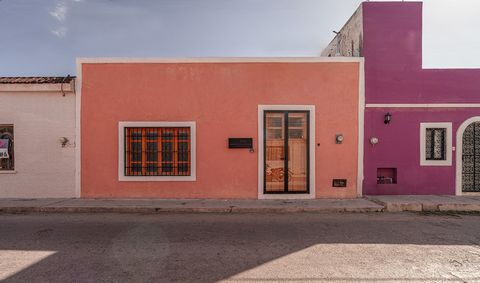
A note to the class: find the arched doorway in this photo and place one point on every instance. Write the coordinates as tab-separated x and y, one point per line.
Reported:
468	157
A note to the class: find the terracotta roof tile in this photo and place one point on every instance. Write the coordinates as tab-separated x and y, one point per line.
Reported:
36	80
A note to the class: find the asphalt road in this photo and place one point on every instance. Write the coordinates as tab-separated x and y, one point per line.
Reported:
377	247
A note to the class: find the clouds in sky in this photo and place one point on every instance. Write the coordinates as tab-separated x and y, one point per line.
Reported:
44	37
60	12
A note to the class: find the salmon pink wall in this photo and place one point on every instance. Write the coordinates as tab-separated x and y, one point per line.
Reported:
223	99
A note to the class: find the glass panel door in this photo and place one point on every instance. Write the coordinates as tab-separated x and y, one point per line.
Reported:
286	151
274	152
297	152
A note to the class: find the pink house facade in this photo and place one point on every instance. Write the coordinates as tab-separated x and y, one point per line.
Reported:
246	128
422	126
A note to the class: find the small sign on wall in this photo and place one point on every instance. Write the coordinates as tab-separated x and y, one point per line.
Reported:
240	142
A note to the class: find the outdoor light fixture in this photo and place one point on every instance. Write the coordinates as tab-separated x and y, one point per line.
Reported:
373	140
64	141
338	138
387	118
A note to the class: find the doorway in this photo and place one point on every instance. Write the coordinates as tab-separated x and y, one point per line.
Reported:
286	151
471	158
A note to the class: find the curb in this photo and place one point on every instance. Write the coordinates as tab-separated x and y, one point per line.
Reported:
373	205
416	206
157	210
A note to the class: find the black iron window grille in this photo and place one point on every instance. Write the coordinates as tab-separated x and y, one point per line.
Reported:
157	151
436	144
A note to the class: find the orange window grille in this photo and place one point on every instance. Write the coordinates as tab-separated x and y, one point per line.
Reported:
158	151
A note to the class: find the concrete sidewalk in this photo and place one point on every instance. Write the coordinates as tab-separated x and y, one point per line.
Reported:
186	205
368	204
427	203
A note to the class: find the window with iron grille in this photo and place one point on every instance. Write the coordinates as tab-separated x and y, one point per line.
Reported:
435	143
7	157
157	151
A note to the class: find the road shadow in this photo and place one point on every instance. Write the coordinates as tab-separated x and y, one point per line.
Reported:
213	247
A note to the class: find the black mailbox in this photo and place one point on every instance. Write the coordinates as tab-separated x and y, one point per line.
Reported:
240	143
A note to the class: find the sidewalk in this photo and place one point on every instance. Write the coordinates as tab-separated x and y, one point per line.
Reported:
368	204
427	203
186	205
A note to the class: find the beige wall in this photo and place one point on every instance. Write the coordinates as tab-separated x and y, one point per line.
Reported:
43	168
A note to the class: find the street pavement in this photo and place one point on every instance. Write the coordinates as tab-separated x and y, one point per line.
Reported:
240	247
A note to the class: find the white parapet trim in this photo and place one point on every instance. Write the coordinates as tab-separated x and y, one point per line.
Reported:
34	87
120	60
423	105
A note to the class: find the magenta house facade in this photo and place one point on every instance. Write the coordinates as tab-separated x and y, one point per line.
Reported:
422	126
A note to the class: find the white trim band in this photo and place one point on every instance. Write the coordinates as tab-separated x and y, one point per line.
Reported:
424	105
221	60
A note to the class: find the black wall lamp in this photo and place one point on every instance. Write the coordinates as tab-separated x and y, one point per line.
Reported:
387	118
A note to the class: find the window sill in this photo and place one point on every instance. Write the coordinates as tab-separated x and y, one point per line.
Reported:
8	171
436	163
123	178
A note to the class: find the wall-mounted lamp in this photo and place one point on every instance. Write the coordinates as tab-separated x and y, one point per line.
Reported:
387	118
64	141
373	140
338	138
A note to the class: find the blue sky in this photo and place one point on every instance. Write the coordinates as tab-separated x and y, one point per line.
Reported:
43	37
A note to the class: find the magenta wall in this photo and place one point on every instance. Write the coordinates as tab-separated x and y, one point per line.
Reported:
399	147
394	74
393	60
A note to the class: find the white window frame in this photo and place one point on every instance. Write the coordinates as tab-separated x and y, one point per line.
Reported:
448	149
121	151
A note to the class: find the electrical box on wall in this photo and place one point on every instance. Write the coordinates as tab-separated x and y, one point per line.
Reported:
240	143
339	183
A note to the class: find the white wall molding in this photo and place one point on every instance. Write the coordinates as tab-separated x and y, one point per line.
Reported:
38	88
424	105
361	128
121	60
78	130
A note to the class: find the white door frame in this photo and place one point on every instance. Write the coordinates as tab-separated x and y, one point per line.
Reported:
459	150
311	173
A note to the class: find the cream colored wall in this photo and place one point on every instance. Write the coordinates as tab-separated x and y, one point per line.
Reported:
43	168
